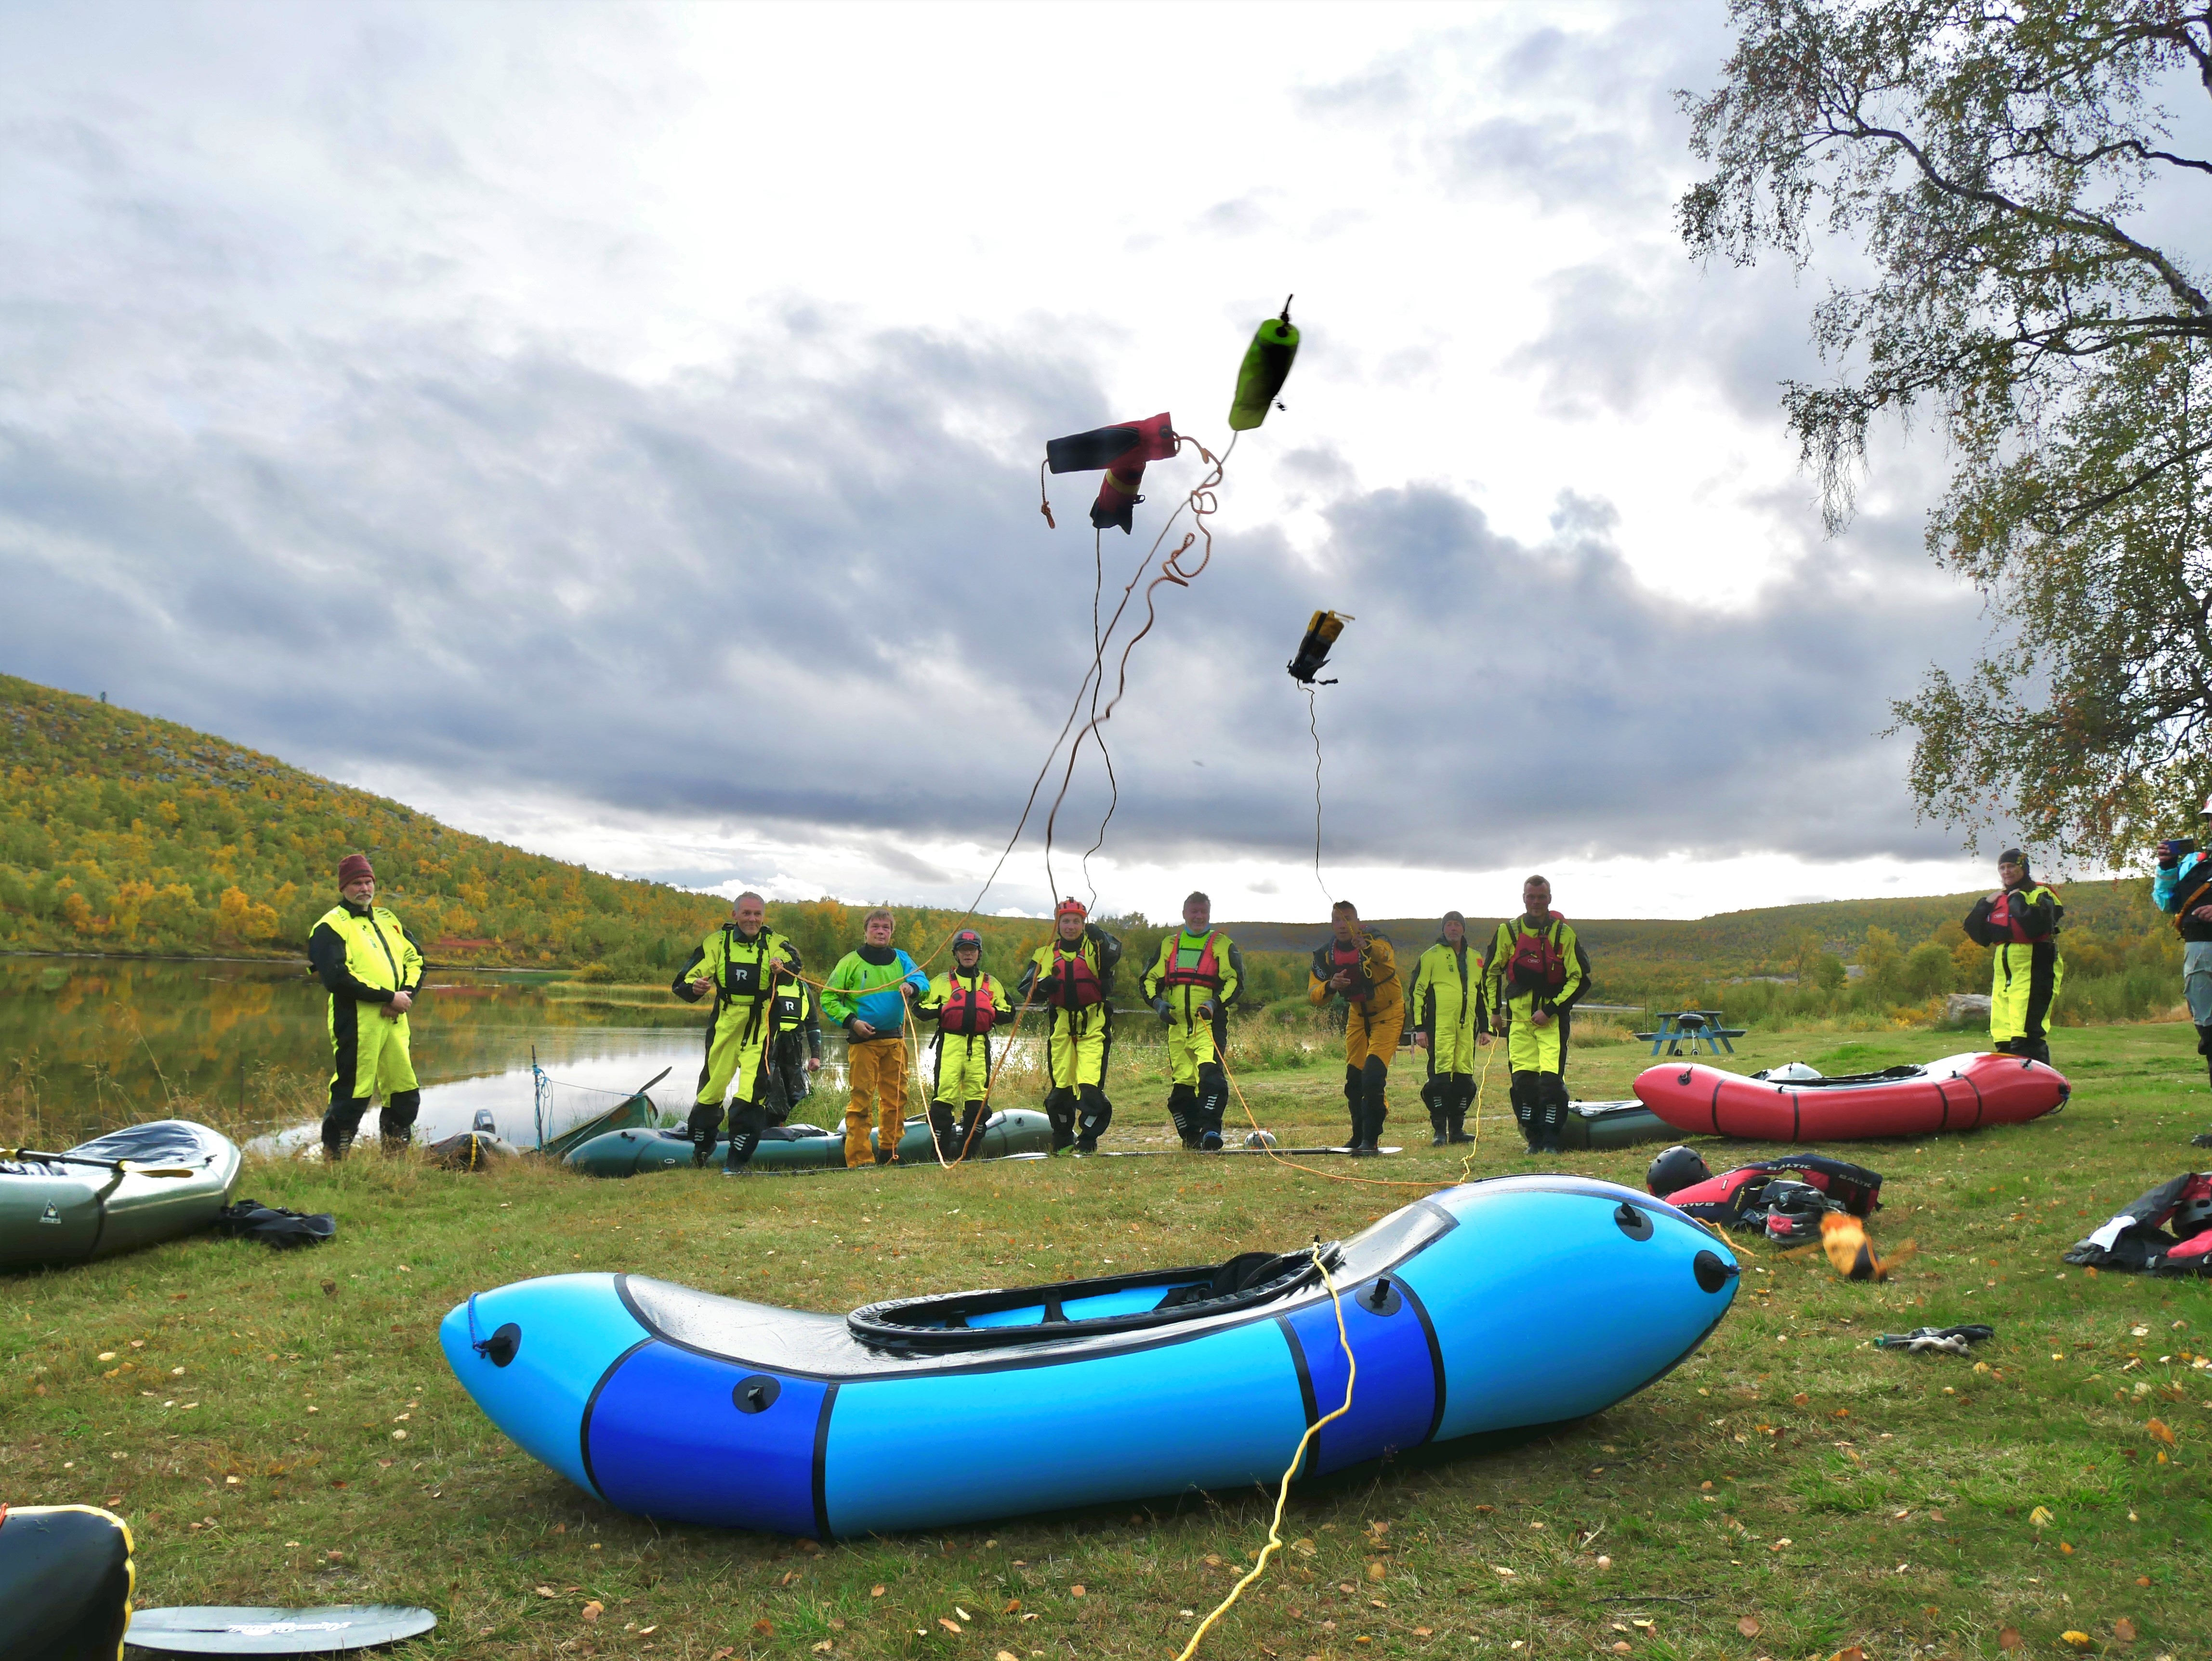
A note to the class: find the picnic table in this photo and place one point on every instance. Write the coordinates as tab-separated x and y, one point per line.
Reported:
1680	1026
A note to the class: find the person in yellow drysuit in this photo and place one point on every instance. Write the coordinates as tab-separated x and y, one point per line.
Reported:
368	962
967	1004
746	965
2020	920
867	994
1072	976
1536	972
1191	988
1450	1020
1359	966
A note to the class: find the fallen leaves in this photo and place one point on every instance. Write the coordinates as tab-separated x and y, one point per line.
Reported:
950	1625
1854	1653
2040	1517
1377	1572
2160	1433
2008	1638
2075	1640
1077	1591
593	1610
764	1627
824	1647
1748	1626
2124	1630
875	1592
1783	1544
542	1591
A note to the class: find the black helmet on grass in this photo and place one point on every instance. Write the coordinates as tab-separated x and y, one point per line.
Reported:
1676	1169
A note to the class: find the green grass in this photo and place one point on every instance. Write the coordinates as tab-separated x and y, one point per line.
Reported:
272	1469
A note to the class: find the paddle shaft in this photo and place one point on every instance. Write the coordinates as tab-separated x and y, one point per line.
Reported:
29	1156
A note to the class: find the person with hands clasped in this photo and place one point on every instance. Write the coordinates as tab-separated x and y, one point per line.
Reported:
1190	988
1536	972
746	965
368	962
2020	920
967	1004
867	994
1450	1022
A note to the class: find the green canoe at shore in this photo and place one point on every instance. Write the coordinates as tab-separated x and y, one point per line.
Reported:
116	1193
801	1147
636	1113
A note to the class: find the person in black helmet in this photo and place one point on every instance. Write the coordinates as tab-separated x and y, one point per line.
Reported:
967	1003
2020	920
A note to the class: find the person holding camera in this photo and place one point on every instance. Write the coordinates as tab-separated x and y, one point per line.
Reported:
2183	890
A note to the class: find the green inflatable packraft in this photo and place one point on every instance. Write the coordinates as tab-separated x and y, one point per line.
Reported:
800	1146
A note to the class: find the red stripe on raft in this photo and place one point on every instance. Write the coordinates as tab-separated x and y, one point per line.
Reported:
2007	1090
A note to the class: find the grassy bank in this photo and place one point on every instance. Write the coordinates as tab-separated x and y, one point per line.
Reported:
282	1429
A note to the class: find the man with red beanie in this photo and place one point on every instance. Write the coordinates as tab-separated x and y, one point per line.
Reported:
369	963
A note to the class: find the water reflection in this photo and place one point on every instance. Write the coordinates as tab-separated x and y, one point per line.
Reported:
90	1044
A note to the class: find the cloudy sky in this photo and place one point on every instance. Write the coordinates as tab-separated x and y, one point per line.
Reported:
617	429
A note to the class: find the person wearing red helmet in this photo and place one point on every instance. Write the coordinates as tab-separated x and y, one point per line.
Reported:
1072	977
968	1004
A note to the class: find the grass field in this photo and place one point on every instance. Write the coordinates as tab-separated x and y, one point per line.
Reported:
282	1429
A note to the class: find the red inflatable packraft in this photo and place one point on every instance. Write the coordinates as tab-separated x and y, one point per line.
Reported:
1959	1092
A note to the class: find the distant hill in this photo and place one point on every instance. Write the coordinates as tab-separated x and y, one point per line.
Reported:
123	833
1767	941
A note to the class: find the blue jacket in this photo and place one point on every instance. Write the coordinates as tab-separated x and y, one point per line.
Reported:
859	990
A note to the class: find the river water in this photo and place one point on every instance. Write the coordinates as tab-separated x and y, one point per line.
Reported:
90	1044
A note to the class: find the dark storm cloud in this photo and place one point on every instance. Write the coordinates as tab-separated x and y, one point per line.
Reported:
806	601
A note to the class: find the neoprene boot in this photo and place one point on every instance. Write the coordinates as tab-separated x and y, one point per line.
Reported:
1183	1103
341	1124
705	1121
1097	1113
1433	1094
970	1139
396	1124
1524	1109
1212	1102
1462	1100
1059	1108
1553	1098
1374	1079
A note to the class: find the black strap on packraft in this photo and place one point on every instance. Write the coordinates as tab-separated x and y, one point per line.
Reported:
274	1226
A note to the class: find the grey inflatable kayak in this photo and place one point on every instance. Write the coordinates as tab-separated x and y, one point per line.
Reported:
116	1193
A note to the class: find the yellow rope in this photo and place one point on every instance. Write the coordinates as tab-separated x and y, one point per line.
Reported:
1282	1493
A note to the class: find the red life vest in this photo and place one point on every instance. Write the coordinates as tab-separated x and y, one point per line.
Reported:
1536	964
967	1010
1073	984
2009	916
1206	972
1353	957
